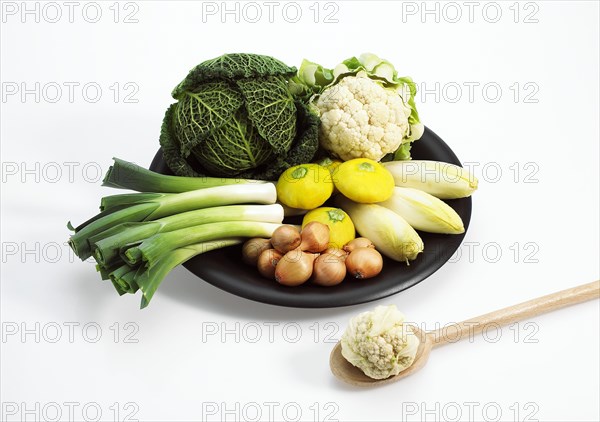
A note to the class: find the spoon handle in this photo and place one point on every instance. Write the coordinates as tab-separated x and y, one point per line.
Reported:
531	308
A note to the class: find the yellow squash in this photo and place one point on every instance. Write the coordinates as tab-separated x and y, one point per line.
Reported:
341	227
306	186
364	181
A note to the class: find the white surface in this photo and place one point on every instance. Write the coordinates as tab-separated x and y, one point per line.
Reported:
176	371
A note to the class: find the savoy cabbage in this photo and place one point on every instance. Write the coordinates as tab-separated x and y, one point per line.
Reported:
235	116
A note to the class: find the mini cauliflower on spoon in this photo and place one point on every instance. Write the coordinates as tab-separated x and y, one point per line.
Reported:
379	342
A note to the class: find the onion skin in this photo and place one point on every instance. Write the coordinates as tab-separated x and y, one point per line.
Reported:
286	238
364	263
315	237
340	253
359	242
267	262
295	268
329	270
253	248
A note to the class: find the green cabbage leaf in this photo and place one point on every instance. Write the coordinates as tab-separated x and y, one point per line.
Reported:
237	116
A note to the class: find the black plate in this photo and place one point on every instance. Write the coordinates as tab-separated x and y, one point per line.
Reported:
224	268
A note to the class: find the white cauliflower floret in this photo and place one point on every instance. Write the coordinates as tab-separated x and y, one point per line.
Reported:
362	119
379	342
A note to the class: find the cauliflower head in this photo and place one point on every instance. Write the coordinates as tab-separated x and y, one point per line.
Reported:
379	342
367	109
362	119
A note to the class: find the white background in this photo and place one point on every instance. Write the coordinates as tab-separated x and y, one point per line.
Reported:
546	230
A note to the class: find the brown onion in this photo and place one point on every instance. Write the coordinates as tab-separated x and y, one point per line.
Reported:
315	237
359	242
364	263
328	270
340	253
285	238
267	261
295	268
253	248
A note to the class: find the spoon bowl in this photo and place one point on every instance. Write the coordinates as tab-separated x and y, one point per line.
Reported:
345	371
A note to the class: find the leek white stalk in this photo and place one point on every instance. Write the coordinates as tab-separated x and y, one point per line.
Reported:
390	233
150	206
424	212
293	212
108	244
151	249
442	180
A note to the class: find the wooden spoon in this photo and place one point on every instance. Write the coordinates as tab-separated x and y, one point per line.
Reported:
346	372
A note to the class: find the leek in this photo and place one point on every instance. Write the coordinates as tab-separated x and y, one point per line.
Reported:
108	244
123	277
153	206
125	175
137	238
149	280
151	249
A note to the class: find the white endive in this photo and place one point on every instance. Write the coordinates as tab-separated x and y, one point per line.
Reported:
389	232
442	180
424	212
